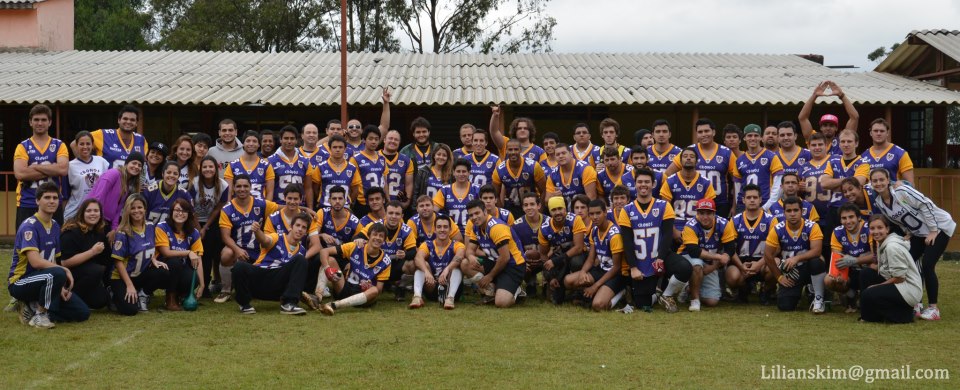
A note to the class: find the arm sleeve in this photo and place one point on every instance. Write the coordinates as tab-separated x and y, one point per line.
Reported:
730	248
666	239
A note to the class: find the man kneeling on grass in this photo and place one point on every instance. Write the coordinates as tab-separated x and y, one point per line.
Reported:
601	277
494	261
279	272
367	270
438	266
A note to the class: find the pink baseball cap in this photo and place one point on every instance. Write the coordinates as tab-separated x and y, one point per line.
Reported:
706	204
829	118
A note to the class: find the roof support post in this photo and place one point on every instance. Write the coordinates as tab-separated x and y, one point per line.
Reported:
343	62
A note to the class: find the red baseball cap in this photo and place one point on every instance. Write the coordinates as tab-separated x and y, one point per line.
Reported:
706	204
830	118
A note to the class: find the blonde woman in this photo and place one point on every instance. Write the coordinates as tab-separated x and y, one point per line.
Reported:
136	273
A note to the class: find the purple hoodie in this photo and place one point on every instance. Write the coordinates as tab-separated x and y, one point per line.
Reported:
107	191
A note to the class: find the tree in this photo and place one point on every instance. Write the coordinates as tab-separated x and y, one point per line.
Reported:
241	25
369	26
111	25
881	52
487	26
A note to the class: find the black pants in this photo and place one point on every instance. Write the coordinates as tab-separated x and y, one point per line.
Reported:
212	246
673	265
88	284
181	275
723	209
882	303
284	283
789	297
149	280
313	272
927	257
44	286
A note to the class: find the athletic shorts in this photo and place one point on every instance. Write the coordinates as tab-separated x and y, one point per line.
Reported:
349	289
710	285
616	283
509	278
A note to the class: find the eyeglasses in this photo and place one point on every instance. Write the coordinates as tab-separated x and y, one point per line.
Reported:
179	211
353	127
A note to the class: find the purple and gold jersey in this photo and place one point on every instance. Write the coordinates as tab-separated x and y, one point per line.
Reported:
791	243
517	183
807	211
343	232
528	231
608	180
710	240
895	160
360	270
398	169
759	169
752	237
533	152
260	173
716	168
586	155
371	172
660	162
135	250
34	235
159	203
398	241
796	164
239	220
277	222
645	224
606	244
560	237
493	235
287	172
329	174
35	154
438	258
814	192
281	253
166	237
683	196
851	244
107	144
426	232
481	171
455	204
573	183
838	168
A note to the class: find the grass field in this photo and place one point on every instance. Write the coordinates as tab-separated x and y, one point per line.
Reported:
535	345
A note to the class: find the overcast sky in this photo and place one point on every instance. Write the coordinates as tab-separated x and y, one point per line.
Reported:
843	31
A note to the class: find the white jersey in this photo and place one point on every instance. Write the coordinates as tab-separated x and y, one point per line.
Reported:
81	176
915	213
205	199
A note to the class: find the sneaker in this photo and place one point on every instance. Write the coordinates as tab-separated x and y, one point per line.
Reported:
143	301
12	306
669	304
448	303
918	310
416	302
222	297
312	301
817	307
626	309
931	314
327	309
694	305
27	310
292	308
326	292
42	321
247	310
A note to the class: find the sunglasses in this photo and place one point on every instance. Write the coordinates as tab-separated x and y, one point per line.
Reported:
353	127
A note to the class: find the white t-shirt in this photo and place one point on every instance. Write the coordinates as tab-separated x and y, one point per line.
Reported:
81	176
915	213
205	199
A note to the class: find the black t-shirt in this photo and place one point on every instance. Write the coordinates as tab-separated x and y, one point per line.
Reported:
73	242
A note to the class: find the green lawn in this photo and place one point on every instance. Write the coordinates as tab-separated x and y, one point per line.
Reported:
531	346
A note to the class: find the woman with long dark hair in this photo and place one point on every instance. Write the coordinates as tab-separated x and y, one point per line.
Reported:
160	197
209	193
84	249
183	155
890	292
428	180
84	171
114	186
179	245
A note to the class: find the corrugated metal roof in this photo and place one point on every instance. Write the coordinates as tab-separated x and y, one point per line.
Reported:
18	4
313	79
898	61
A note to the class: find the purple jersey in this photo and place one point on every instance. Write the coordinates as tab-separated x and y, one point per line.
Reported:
660	162
796	164
134	250
343	232
481	171
287	172
851	245
107	144
33	235
259	174
810	177
159	203
329	175
281	253
752	237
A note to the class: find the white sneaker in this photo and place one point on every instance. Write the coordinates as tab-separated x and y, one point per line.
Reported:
326	292
931	314
817	307
918	310
694	305
143	301
41	320
626	309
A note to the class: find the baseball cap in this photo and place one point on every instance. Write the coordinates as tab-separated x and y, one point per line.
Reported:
160	147
556	202
829	118
752	128
134	156
706	204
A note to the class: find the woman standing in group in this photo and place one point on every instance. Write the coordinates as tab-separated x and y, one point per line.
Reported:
182	154
84	249
428	180
178	241
136	271
83	172
114	186
890	292
928	226
160	197
209	193
156	156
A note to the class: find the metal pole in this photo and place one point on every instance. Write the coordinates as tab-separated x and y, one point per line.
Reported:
343	62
